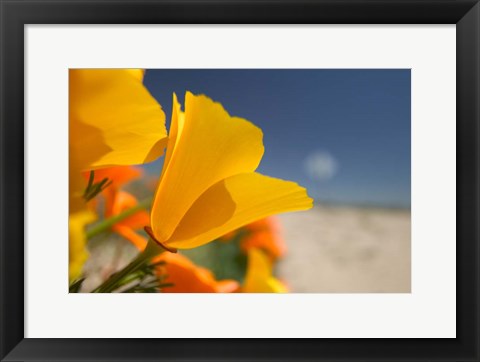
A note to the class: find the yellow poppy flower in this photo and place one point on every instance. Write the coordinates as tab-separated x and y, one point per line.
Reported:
113	121
208	185
259	278
187	277
77	251
113	118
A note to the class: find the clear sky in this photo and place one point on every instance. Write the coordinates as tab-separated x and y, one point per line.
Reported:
342	134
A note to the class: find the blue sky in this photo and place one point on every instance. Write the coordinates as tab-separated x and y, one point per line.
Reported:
343	134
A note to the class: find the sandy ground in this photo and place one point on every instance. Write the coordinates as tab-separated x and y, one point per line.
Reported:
330	250
347	250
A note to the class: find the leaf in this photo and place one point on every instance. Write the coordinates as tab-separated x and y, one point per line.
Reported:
76	285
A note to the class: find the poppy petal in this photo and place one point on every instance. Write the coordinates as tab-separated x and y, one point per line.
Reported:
187	277
211	146
77	246
259	278
128	233
235	202
113	118
123	201
176	128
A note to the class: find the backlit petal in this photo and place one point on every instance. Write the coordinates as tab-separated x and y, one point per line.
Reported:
113	118
235	202
175	131
137	73
211	147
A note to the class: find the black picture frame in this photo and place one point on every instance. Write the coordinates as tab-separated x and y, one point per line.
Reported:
15	14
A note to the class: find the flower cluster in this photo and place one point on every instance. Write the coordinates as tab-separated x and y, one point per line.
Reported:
208	196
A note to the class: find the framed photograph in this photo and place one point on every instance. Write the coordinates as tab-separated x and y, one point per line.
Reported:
240	180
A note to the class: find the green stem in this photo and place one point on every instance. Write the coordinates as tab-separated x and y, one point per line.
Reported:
106	224
152	249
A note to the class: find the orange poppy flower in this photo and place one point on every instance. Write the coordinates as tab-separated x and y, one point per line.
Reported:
126	228
118	175
265	234
187	277
118	201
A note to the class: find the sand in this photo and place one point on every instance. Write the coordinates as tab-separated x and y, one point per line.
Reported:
347	250
330	250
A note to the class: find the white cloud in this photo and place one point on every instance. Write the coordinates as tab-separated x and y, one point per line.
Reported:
320	165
